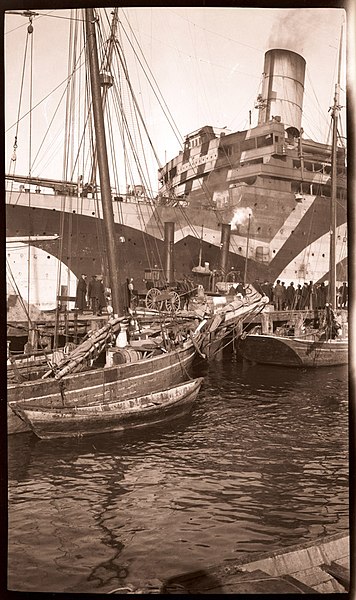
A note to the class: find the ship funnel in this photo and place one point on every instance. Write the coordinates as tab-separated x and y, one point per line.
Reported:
282	89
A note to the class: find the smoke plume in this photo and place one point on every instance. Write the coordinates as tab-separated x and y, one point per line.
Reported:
240	217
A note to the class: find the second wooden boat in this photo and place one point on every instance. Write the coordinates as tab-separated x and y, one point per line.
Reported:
293	351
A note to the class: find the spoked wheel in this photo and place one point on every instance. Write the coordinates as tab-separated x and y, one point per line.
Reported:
152	299
173	302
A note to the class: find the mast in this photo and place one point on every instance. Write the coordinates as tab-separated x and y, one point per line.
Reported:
333	200
103	165
106	83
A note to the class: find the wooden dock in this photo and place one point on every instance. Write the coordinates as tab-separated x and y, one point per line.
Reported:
45	325
315	567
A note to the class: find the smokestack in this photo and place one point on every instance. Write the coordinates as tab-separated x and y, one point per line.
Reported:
169	251
283	89
225	243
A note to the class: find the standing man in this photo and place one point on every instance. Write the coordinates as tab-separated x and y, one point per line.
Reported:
284	291
278	293
298	297
344	295
101	291
322	295
304	300
290	293
80	298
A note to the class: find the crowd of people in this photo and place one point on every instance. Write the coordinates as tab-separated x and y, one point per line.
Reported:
301	297
90	295
310	295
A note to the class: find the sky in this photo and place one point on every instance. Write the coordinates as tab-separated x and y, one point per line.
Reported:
206	62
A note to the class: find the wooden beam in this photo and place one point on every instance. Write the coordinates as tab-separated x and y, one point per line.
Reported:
338	572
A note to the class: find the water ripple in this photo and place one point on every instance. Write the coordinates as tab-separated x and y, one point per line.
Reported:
260	463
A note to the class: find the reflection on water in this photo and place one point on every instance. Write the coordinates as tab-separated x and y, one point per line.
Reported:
260	463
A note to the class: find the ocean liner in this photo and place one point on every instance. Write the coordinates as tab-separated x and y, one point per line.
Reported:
265	192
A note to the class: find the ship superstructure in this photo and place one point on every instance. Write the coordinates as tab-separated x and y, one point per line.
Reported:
270	173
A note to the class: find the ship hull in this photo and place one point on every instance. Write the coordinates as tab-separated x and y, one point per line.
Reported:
78	244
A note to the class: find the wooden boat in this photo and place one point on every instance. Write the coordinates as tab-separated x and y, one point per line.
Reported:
320	566
119	415
129	371
293	351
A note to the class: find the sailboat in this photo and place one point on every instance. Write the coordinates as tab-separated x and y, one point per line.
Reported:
105	368
326	345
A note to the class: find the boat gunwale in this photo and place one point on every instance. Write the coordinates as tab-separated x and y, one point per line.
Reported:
192	386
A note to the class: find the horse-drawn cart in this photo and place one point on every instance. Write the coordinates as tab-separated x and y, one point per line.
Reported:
165	296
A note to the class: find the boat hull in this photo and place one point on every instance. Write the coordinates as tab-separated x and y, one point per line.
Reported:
16	424
292	351
101	386
116	416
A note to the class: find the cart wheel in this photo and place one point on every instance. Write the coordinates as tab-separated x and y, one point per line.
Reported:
173	303
152	299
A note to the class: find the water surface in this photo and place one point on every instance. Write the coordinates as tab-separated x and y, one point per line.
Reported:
260	463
